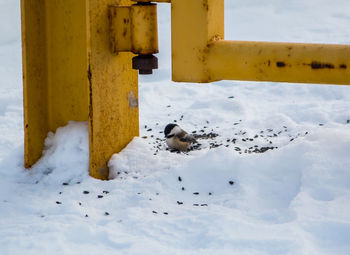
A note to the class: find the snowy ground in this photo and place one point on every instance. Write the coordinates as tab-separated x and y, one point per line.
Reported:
271	177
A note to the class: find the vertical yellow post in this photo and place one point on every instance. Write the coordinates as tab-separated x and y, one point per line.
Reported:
113	92
70	74
194	24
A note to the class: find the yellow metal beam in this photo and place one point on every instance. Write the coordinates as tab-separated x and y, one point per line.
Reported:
113	92
280	62
194	24
200	53
69	73
157	1
34	79
54	69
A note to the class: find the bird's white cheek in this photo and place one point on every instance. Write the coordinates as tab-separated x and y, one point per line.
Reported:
170	142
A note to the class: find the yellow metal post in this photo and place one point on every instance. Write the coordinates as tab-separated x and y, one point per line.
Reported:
113	92
194	24
69	73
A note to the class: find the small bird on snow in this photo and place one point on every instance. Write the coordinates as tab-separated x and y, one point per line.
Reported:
177	138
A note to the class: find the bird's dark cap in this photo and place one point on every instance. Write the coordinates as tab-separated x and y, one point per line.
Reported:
168	128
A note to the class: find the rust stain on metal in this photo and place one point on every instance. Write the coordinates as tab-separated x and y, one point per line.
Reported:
205	5
280	64
320	65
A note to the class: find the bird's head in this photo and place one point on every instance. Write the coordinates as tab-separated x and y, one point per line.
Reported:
171	130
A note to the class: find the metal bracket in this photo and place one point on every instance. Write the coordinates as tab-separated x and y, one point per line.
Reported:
134	29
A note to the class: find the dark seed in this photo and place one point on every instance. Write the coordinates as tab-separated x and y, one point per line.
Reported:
231	182
86	192
86	215
180	179
195	193
210	193
79	203
106	213
165	213
195	204
204	204
183	188
100	196
154	212
65	183
179	203
105	191
58	202
150	129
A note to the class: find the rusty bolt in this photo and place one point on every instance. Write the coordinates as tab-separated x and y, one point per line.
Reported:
145	63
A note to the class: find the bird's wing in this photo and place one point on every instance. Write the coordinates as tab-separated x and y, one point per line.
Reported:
185	137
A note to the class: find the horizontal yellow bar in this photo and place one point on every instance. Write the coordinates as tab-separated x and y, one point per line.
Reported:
155	1
279	62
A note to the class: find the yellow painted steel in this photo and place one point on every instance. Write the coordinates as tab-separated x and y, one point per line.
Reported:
200	53
70	74
34	79
157	1
282	62
144	29
134	28
120	28
113	90
194	24
54	69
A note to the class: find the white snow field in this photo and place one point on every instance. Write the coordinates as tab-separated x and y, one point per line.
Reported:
271	174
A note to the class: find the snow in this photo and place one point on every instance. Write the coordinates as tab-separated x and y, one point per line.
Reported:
271	175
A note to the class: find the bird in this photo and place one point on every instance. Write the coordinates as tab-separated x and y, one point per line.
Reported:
177	138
